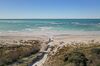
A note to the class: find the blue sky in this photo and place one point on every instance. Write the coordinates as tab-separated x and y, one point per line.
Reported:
49	9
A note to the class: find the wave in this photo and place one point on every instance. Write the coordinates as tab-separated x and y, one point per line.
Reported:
9	21
77	23
45	28
12	31
55	23
28	29
37	29
27	25
98	23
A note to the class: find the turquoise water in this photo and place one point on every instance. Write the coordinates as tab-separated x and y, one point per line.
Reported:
49	24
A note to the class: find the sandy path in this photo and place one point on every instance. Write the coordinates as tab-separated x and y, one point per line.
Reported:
42	61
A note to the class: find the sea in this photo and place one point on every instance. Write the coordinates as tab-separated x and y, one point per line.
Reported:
32	25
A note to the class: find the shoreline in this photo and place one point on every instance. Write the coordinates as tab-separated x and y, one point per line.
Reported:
53	33
57	38
45	35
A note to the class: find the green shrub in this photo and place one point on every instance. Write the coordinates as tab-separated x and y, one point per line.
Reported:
77	58
96	50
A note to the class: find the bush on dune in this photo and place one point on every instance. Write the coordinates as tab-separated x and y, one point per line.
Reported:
76	54
11	53
77	58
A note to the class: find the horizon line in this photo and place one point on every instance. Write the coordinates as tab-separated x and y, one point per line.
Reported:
48	18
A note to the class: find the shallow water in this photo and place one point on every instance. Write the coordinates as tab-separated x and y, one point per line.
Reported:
14	25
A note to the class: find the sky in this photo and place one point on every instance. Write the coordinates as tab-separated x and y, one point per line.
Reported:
22	9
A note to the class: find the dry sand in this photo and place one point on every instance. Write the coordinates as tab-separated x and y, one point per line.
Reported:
56	38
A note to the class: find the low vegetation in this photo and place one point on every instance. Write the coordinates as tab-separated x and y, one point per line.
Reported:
76	54
22	51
